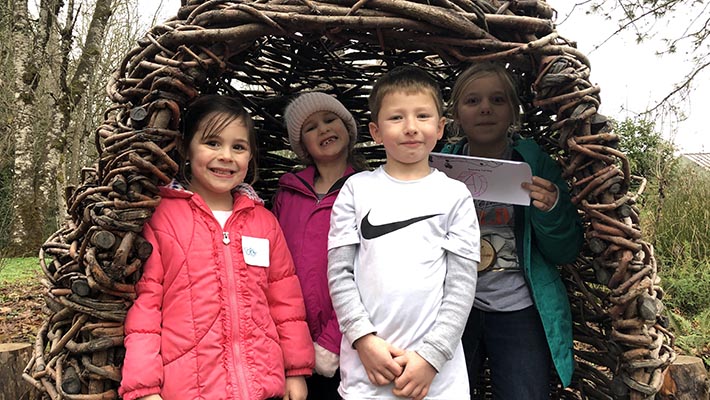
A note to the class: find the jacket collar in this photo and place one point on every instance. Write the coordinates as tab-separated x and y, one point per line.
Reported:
304	181
177	190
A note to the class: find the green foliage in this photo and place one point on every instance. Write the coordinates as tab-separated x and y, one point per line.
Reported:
649	154
687	281
15	270
681	236
681	218
675	218
693	333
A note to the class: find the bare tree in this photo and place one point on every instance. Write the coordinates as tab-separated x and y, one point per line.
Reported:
682	25
65	132
10	28
30	41
124	28
54	70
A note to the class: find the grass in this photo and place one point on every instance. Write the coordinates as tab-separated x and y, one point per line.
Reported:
676	220
692	334
17	270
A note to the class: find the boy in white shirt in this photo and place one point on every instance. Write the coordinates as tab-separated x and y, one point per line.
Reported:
403	251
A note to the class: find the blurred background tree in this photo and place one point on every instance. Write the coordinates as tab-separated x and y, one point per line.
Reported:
56	58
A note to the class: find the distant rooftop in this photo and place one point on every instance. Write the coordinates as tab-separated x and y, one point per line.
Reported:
701	159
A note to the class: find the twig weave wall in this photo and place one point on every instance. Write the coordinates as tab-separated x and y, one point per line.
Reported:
264	52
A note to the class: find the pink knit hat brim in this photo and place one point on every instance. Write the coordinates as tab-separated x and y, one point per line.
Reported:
304	106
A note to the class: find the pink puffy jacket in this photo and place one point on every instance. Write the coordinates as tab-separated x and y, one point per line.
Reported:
207	325
305	221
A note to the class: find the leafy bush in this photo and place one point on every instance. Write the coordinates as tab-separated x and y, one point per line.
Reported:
682	217
681	235
675	218
692	333
686	281
649	154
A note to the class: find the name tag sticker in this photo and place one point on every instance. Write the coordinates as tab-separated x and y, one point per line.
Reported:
255	251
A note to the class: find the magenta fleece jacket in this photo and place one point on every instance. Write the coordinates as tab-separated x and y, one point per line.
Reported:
305	221
219	313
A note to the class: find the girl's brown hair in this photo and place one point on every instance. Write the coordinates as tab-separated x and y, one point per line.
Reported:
213	112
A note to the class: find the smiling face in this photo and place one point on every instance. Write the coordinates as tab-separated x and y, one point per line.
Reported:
324	137
484	110
219	161
408	126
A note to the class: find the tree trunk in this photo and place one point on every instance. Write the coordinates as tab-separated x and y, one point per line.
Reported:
27	79
13	358
66	132
79	85
686	379
43	148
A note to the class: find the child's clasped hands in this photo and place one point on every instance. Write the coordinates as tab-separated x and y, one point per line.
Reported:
385	363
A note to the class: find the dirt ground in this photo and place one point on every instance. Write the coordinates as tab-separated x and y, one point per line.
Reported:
20	311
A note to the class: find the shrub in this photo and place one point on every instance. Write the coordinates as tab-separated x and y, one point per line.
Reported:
682	217
686	281
675	218
693	334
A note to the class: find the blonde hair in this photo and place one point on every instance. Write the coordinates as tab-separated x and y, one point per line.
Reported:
480	70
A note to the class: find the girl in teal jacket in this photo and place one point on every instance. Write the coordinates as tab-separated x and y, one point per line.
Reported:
521	320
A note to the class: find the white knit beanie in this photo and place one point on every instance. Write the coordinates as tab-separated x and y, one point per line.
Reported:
303	107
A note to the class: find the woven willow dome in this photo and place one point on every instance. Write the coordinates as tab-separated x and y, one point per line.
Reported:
265	52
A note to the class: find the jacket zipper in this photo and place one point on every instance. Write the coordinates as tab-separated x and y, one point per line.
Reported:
234	307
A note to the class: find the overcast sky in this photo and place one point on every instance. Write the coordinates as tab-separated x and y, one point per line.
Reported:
632	77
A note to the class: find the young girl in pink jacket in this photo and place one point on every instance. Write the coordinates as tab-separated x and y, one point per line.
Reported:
219	312
322	133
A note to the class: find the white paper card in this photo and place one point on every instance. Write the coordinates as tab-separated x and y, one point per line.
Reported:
256	251
487	178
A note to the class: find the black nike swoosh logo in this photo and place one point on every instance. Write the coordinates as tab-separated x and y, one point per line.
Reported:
370	231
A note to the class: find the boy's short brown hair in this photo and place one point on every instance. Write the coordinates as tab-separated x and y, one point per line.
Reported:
408	79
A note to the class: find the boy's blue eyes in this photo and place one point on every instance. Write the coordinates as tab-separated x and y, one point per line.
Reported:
398	117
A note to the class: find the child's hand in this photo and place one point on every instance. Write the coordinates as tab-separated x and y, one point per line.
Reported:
377	357
415	379
542	192
296	388
327	362
151	397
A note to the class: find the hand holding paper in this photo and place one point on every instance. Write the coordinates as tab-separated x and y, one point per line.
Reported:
543	193
488	179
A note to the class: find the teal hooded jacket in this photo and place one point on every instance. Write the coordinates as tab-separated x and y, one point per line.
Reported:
545	240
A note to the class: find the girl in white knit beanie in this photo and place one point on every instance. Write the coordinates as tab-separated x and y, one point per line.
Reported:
322	133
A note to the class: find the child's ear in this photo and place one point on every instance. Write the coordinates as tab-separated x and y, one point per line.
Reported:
442	124
375	132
